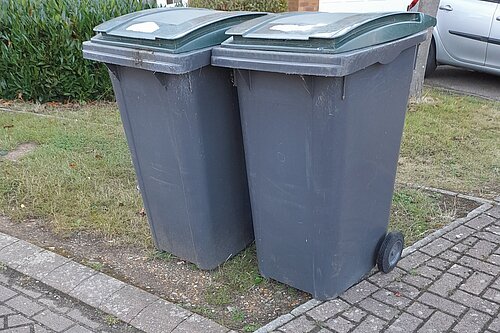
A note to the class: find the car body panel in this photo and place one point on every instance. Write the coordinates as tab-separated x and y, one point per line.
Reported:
462	34
463	31
493	49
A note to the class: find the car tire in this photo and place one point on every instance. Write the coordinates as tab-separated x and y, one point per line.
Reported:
431	65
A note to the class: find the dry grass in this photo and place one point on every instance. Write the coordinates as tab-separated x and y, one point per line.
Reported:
452	142
80	176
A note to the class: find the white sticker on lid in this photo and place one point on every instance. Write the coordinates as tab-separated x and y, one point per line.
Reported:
144	27
296	27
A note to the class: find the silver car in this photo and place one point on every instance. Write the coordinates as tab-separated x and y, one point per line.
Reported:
467	35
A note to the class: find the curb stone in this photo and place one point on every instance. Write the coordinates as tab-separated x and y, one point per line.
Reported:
460	92
146	311
50	116
281	320
454	194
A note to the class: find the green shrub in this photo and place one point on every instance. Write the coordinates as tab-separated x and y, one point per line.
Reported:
273	6
41	48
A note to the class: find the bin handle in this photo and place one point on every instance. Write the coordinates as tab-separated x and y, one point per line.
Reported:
162	78
390	56
245	75
114	70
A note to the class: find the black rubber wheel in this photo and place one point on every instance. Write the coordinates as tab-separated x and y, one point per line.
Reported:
431	65
390	251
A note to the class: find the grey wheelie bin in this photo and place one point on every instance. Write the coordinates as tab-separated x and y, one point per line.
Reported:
182	125
322	100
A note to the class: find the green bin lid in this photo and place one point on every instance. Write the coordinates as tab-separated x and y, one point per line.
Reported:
326	32
172	30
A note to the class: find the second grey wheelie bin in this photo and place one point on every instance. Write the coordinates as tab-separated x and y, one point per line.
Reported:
182	125
322	100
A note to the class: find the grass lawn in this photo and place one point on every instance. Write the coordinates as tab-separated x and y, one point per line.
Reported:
452	142
80	176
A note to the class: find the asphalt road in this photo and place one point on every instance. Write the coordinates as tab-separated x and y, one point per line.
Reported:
466	81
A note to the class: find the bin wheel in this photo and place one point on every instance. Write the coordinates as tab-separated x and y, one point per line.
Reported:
390	251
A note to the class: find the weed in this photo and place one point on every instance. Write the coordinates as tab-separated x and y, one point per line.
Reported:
238	315
95	265
250	327
192	266
292	291
218	295
235	277
258	279
111	320
205	311
162	255
415	213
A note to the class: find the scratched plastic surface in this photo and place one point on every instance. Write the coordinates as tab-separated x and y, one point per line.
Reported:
184	135
322	134
183	129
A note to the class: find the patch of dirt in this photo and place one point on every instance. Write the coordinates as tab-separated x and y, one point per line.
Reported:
20	151
174	279
424	100
455	206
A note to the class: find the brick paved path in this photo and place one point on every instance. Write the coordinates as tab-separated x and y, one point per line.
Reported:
28	306
451	284
100	292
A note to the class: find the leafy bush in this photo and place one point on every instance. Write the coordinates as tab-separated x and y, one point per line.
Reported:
273	6
41	48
